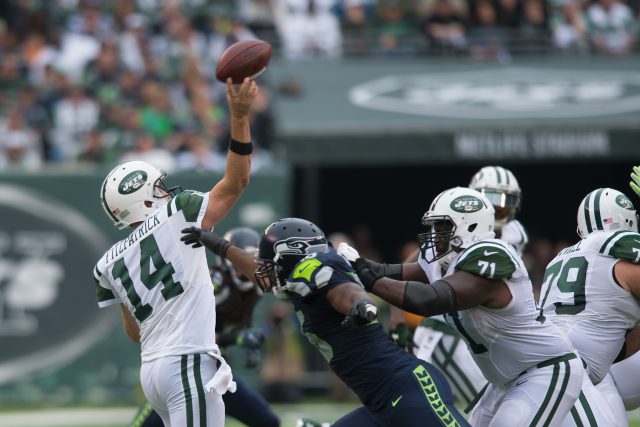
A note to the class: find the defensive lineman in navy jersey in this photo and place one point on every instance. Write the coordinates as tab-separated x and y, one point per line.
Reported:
339	318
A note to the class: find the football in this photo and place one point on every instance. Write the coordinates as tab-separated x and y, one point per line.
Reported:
248	58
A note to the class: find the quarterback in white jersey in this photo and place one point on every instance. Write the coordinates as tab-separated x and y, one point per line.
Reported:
585	290
163	287
534	374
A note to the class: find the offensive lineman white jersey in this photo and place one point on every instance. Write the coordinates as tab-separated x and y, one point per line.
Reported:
514	234
507	341
164	283
580	295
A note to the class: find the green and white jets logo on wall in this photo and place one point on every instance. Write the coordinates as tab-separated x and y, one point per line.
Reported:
132	182
504	93
624	202
466	204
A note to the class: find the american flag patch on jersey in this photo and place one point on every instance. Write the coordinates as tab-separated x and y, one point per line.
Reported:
608	221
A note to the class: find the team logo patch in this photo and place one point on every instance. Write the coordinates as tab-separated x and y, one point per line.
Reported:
622	201
466	204
132	182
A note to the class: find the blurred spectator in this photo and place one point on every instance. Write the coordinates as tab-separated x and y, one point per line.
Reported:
258	15
394	28
445	28
37	54
568	26
486	39
134	42
533	29
91	20
94	150
18	144
308	29
198	155
73	116
155	116
612	27
146	149
102	74
509	13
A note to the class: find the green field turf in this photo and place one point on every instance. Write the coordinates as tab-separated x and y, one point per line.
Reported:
120	417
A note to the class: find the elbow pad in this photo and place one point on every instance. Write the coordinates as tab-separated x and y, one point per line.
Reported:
429	300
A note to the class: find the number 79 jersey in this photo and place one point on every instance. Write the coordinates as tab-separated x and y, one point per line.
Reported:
580	295
164	283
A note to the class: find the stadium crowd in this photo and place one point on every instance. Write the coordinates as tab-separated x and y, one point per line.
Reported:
99	81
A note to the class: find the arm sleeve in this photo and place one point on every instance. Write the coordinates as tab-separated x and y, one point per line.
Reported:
429	300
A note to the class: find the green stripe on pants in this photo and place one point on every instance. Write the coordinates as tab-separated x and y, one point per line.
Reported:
563	389
202	403
547	398
576	417
433	397
187	389
587	410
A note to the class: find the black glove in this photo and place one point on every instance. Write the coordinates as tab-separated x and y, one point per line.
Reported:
361	313
403	337
368	272
196	237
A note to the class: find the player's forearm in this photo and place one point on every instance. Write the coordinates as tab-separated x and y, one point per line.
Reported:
243	261
417	298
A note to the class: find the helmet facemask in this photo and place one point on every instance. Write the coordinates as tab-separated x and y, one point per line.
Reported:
439	242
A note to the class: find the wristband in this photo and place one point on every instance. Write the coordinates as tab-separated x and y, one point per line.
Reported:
241	148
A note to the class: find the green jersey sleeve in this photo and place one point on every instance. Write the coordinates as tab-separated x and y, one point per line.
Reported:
105	295
190	203
488	260
622	245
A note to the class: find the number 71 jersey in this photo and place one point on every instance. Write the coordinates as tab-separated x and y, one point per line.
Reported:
581	296
164	283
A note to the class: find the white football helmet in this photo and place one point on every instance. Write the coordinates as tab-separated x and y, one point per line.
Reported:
457	218
501	187
132	191
243	238
606	209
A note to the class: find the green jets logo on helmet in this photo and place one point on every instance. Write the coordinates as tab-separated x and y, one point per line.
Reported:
622	201
466	204
132	182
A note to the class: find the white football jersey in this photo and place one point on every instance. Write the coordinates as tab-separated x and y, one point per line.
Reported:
514	234
506	341
164	283
580	295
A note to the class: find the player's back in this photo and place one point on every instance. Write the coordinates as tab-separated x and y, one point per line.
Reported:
509	340
580	295
164	283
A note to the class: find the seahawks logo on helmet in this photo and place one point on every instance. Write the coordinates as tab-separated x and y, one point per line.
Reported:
132	182
623	202
466	204
292	246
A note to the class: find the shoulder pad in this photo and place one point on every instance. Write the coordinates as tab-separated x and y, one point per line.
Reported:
189	202
319	270
622	245
490	260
